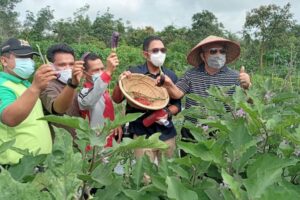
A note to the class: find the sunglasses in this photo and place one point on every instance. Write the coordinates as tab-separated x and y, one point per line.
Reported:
156	50
214	51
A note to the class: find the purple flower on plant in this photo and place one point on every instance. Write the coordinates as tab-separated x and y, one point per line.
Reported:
205	128
240	113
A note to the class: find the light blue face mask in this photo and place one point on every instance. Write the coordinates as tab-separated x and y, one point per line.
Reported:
24	67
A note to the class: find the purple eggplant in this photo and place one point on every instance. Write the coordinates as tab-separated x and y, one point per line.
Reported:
114	40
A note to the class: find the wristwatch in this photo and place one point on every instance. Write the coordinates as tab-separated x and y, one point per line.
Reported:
69	83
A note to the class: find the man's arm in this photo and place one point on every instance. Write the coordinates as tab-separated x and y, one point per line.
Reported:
117	95
62	102
88	97
18	111
173	90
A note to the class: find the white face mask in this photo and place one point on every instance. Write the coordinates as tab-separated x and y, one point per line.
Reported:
158	58
95	77
216	61
65	75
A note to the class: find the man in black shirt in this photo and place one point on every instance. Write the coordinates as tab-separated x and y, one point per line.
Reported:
154	52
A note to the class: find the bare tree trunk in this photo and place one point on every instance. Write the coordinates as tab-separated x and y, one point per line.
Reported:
261	55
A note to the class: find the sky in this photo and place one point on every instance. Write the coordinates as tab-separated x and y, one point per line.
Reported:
159	13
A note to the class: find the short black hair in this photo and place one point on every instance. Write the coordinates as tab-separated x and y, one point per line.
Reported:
148	40
59	48
87	57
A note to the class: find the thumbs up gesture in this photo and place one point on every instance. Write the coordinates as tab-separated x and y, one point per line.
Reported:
244	78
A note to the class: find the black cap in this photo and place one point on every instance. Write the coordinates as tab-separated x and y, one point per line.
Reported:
18	47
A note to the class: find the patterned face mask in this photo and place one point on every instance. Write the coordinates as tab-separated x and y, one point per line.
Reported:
216	61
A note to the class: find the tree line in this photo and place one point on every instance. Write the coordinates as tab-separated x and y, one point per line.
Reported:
269	39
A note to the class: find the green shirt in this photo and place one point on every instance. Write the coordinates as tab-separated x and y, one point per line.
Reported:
31	134
7	96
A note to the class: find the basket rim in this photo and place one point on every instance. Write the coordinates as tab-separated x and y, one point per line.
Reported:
138	103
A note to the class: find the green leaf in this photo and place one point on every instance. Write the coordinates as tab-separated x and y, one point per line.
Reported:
284	96
137	195
13	190
138	172
240	163
284	190
197	132
64	165
120	120
140	142
176	190
201	150
233	184
103	174
66	120
240	137
264	172
6	145
26	166
110	192
159	182
179	171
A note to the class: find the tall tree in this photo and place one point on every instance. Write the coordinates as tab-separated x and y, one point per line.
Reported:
135	37
269	25
36	28
104	25
9	23
82	24
204	24
170	34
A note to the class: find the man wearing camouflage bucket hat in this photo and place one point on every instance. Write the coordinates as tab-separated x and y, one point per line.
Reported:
209	58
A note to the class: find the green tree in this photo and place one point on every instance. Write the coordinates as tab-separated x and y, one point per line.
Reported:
104	25
135	37
9	23
82	24
37	28
269	25
170	34
204	24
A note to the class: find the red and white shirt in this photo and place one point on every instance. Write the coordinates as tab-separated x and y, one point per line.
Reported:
95	102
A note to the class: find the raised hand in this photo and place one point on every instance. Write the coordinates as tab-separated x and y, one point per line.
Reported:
167	82
111	63
244	78
77	72
42	76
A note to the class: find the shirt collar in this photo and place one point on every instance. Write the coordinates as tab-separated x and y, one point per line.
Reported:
145	69
14	79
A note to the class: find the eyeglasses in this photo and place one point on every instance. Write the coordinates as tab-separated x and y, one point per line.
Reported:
156	50
214	51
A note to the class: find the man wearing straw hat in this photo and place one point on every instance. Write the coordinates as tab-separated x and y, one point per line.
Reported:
154	52
209	59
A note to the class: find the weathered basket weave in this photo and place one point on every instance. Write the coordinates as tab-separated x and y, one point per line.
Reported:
142	86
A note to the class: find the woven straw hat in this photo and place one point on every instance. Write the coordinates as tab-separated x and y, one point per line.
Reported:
141	92
232	50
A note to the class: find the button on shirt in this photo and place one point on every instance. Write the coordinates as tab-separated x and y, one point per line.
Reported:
137	127
198	81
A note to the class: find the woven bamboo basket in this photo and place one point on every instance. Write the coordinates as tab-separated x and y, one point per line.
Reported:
141	91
